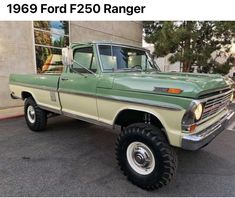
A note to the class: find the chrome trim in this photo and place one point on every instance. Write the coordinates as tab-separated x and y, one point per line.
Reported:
50	109
100	97
215	96
142	103
203	120
76	93
117	98
99	59
126	46
90	120
120	44
212	91
198	140
208	118
214	105
140	158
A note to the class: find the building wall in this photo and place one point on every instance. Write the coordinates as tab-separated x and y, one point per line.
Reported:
165	65
17	56
17	46
117	31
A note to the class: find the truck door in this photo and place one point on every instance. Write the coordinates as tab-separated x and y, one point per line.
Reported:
77	88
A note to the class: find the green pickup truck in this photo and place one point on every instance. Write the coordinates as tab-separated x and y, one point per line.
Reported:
113	84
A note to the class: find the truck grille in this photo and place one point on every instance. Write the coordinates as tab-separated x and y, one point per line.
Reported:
216	104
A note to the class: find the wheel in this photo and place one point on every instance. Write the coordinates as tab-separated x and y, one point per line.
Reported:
36	118
145	156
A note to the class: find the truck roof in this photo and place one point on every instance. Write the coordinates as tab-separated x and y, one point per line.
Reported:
108	43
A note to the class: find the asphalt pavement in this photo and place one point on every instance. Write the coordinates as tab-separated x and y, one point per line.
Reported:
74	158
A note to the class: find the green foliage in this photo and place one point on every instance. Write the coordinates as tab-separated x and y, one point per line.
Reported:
190	42
221	69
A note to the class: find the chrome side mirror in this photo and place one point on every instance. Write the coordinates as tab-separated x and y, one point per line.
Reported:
67	56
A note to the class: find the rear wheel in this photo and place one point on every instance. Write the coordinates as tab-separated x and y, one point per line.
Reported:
145	156
36	118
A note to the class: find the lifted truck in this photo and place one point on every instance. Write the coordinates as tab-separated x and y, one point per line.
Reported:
114	84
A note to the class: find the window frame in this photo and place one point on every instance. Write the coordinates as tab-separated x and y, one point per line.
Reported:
94	55
156	67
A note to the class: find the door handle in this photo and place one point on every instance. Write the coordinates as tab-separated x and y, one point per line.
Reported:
64	78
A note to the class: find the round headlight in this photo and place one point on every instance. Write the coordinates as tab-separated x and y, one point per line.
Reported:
198	111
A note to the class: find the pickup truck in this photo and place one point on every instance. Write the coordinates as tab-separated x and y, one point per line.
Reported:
118	85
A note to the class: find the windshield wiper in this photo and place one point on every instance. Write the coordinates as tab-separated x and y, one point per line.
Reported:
128	69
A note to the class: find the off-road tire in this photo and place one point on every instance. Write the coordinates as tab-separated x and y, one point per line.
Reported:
165	157
40	116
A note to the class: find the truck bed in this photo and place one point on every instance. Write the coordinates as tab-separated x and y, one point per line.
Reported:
43	87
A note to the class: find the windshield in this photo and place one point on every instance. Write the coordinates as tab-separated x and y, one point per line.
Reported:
120	58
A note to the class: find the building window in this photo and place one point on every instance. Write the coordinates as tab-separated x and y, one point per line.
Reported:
50	37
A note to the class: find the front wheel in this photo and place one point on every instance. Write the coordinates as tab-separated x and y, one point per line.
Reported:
145	157
36	118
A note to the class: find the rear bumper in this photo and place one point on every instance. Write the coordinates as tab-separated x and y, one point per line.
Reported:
197	141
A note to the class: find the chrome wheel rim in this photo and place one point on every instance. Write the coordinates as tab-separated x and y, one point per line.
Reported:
31	114
140	158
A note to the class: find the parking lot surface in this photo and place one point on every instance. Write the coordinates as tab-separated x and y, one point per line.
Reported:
74	158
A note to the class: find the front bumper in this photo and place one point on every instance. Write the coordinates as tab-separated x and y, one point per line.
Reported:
197	141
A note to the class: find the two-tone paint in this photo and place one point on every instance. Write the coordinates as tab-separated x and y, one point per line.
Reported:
99	98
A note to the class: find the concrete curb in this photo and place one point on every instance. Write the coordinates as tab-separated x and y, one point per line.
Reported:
11	117
12	112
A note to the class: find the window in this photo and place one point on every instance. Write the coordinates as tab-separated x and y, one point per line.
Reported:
123	58
50	37
84	60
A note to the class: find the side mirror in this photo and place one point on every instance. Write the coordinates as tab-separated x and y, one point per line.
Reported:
67	56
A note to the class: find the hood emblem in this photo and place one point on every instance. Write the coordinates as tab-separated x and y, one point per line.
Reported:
160	89
168	90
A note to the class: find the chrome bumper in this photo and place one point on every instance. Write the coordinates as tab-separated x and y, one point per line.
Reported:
197	141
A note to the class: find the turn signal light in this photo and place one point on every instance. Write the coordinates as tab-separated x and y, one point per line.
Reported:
174	90
192	128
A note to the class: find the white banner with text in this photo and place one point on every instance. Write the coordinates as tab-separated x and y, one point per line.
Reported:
117	10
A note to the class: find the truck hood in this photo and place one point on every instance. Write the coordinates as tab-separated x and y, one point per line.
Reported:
193	85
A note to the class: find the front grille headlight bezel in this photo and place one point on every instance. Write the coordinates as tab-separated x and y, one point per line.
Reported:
192	115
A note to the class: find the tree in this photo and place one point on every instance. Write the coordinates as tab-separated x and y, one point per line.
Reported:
190	42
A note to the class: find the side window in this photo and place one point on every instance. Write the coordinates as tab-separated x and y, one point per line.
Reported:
84	59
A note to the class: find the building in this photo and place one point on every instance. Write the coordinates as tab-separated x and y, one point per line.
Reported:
34	47
163	62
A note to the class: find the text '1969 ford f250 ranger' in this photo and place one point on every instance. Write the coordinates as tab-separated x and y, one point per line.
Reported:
120	85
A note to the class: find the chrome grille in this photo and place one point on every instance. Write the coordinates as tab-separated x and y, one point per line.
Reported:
216	104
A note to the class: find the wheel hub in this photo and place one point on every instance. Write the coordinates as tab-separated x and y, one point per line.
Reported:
31	114
140	158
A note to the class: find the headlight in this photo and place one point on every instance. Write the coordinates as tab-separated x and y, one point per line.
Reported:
198	111
191	116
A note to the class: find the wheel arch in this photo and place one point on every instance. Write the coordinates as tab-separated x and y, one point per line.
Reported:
127	116
27	94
